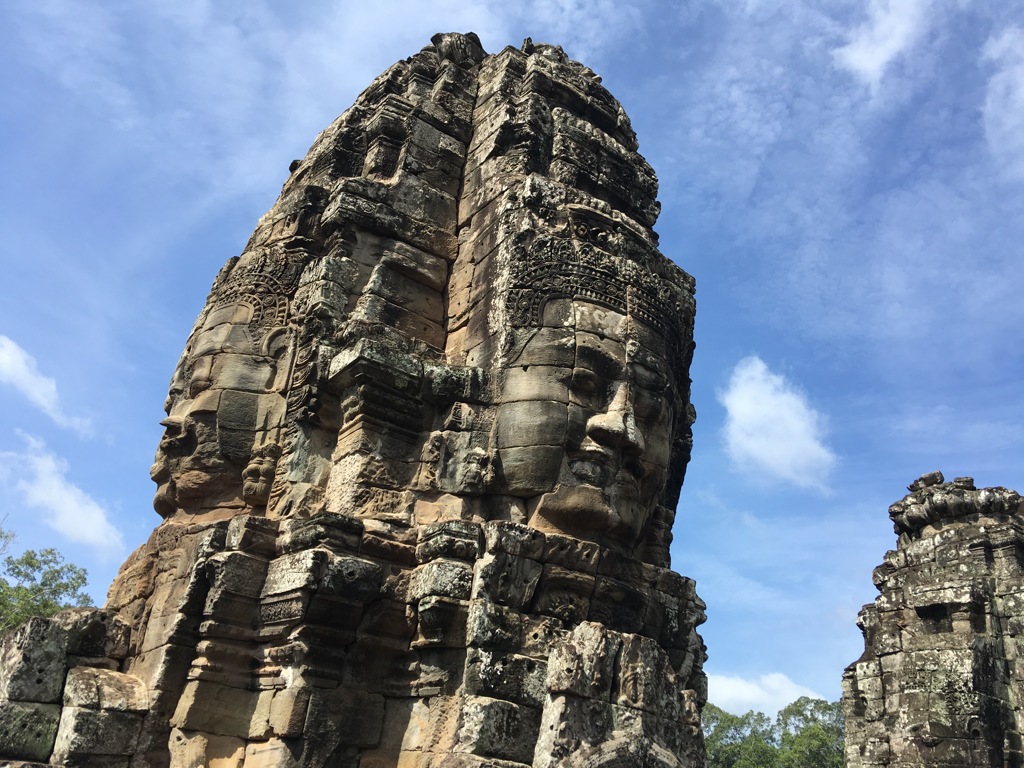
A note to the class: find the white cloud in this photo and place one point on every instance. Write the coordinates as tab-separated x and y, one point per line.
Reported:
1004	101
893	27
771	428
19	369
584	28
280	76
738	587
40	476
876	230
767	693
943	431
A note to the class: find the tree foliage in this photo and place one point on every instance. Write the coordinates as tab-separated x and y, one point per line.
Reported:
811	733
732	741
37	584
806	734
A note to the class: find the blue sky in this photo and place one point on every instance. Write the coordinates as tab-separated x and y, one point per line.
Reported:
843	179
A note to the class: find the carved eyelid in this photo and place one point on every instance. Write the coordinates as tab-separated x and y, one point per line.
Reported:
599	362
584	378
651	409
199	385
648	378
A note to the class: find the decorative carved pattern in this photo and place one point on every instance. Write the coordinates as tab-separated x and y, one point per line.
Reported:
939	678
421	457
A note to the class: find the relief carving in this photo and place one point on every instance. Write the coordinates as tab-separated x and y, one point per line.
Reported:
423	451
938	680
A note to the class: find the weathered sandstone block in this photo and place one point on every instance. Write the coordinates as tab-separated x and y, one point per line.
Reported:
28	730
422	454
939	683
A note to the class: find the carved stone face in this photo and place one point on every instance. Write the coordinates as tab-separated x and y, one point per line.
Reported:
222	402
584	425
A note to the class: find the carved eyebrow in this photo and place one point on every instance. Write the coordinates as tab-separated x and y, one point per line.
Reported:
598	361
637	352
648	377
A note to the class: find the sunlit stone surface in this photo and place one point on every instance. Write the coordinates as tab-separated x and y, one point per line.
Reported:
422	455
939	682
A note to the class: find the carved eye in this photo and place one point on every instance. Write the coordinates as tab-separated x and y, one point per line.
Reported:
198	385
584	382
648	406
648	378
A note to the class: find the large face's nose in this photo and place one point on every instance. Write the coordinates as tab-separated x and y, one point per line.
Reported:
616	426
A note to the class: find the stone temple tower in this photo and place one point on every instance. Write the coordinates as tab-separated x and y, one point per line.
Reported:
422	455
939	684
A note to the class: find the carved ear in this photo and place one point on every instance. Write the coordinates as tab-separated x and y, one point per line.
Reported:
656	538
276	343
515	342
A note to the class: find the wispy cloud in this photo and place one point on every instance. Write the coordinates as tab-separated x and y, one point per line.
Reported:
876	231
928	430
892	28
1004	100
280	75
766	693
759	563
40	477
771	428
585	27
20	370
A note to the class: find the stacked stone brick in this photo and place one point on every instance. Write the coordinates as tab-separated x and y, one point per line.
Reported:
464	647
938	684
297	642
63	694
422	455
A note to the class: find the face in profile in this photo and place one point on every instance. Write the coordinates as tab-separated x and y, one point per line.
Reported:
585	421
222	400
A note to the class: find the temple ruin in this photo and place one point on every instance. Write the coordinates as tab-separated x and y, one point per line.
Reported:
422	457
938	684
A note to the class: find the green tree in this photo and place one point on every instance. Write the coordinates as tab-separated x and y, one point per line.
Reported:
738	741
37	584
811	734
806	734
